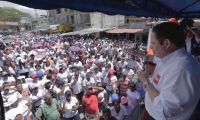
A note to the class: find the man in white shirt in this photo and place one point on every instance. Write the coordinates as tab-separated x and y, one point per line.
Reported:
173	89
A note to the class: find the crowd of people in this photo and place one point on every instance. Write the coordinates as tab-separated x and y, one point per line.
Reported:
93	77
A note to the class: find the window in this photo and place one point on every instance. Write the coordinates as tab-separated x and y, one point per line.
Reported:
72	19
127	21
58	11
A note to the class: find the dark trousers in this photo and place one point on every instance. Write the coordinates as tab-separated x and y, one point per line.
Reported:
75	117
79	96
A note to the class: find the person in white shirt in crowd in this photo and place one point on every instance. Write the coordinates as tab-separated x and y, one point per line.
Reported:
9	67
78	63
124	102
122	64
118	110
5	78
36	81
128	72
102	98
96	74
7	91
133	95
62	75
55	64
77	86
84	71
21	67
111	83
31	67
70	107
46	65
36	97
175	73
88	81
61	88
16	104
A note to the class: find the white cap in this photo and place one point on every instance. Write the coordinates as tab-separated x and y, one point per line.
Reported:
21	77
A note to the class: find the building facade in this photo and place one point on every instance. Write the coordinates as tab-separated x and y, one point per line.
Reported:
84	20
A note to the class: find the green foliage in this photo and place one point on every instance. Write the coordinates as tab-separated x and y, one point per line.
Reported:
12	15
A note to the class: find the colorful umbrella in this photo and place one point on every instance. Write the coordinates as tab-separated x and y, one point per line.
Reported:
39	53
38	45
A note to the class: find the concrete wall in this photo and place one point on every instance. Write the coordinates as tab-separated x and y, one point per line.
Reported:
85	18
100	20
138	25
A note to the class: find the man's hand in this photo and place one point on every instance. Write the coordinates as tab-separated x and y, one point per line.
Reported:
74	108
143	76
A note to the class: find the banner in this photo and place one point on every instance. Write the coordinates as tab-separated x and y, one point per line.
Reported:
9	23
149	50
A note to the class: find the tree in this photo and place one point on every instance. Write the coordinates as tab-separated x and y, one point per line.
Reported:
12	15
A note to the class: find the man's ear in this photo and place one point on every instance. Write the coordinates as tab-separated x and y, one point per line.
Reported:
167	43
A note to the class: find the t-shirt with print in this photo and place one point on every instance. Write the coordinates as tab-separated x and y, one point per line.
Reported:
134	97
97	76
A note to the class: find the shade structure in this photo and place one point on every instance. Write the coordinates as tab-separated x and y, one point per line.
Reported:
124	31
146	8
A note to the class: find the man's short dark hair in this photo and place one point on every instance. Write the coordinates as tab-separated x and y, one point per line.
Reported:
106	110
171	31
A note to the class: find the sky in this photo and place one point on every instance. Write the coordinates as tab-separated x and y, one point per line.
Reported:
22	8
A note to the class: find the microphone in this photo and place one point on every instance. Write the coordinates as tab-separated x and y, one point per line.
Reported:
146	58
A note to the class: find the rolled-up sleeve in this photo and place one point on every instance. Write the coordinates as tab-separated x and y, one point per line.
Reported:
177	92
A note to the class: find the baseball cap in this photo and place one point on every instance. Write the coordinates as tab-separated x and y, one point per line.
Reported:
39	73
4	73
90	60
68	92
34	76
124	100
47	81
21	77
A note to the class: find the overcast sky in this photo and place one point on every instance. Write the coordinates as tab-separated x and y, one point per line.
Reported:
22	8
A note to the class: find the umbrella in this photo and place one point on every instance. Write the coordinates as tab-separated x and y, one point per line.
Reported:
38	45
74	48
39	53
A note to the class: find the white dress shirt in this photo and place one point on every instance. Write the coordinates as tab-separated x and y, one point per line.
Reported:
176	77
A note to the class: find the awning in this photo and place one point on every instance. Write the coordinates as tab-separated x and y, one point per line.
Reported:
125	31
54	27
85	31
